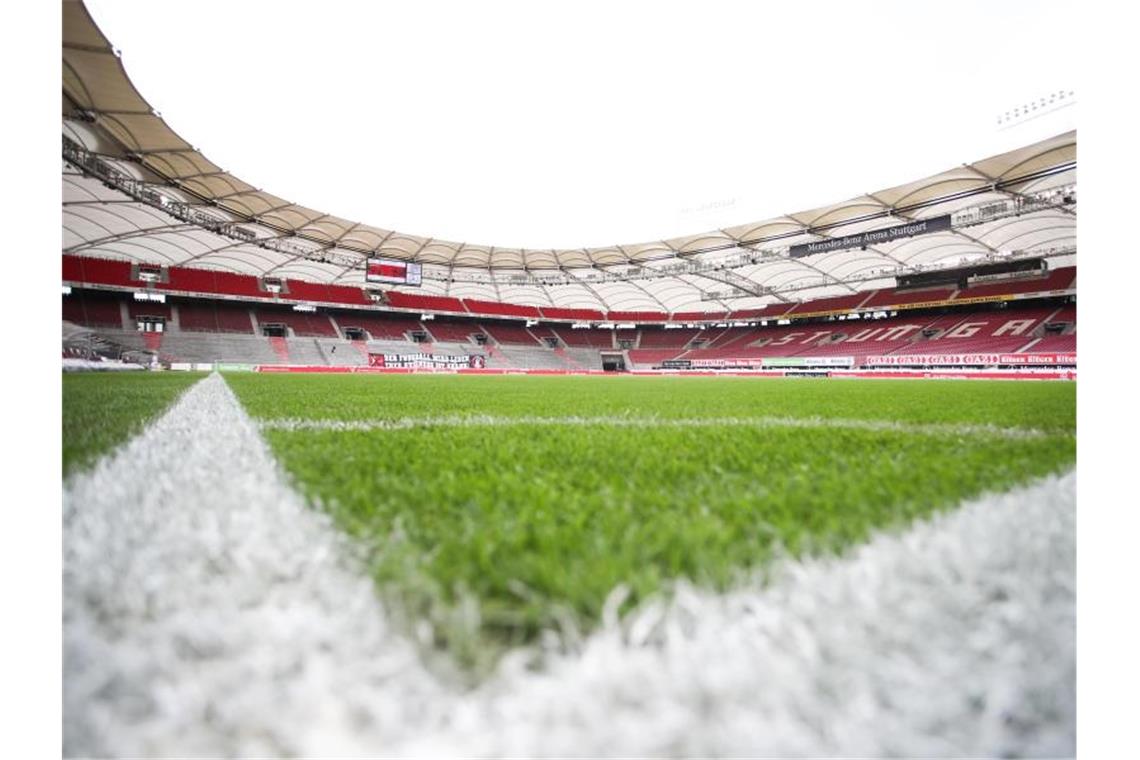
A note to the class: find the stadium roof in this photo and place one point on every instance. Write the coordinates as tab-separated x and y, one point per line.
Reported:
167	203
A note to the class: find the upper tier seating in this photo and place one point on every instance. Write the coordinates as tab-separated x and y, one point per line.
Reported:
836	303
888	297
423	302
582	315
101	271
505	309
636	316
1058	279
700	316
771	311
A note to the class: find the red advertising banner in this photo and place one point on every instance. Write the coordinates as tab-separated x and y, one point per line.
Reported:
985	360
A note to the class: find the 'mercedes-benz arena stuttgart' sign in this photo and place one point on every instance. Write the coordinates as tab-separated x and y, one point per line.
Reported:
872	237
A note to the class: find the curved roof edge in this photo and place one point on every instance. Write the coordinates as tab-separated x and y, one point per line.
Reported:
96	89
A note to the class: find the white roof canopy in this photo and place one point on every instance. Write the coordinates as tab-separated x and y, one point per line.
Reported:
225	223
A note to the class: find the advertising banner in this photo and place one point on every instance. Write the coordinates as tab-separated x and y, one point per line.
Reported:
809	361
985	360
427	361
714	363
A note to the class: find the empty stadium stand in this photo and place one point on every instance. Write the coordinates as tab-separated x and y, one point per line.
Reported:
1058	279
94	271
510	334
1002	331
585	338
444	331
379	326
93	309
299	322
204	330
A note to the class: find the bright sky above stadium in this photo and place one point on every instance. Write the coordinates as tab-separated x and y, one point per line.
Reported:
590	123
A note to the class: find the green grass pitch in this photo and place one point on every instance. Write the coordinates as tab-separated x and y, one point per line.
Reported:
103	409
495	532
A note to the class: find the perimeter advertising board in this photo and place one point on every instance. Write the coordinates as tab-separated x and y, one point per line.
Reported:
982	360
782	362
799	362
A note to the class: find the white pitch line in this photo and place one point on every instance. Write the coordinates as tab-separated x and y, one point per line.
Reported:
208	611
295	424
955	638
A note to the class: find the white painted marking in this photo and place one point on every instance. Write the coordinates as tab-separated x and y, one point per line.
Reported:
208	611
294	424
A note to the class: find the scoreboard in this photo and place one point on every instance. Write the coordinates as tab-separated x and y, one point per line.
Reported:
390	270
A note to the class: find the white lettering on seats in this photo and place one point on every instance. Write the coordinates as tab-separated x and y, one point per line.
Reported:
965	330
1014	327
816	336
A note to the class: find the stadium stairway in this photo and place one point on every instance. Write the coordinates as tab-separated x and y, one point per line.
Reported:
280	347
561	354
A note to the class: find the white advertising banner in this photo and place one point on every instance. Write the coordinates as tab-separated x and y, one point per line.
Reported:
985	360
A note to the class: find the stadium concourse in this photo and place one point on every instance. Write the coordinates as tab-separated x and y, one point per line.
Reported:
341	529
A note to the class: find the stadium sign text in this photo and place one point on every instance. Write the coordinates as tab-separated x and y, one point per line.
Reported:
872	237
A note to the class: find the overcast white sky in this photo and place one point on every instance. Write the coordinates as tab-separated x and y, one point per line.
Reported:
571	124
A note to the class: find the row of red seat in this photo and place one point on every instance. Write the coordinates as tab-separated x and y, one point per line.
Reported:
96	271
998	331
974	331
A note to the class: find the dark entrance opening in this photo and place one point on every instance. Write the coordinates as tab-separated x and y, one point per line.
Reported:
613	362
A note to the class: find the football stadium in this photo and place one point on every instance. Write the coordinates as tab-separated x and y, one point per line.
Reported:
803	486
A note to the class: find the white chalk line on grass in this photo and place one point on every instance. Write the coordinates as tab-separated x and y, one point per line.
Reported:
209	611
298	424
